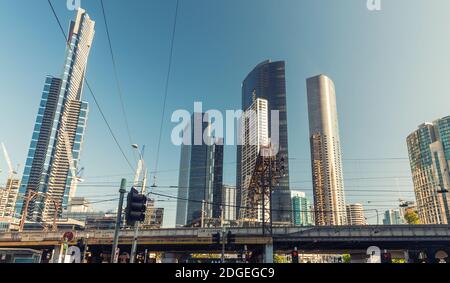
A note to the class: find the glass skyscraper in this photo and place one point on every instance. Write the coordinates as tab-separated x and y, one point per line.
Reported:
301	210
268	81
326	161
429	154
200	182
59	131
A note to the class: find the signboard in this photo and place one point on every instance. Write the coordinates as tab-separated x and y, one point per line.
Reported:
68	236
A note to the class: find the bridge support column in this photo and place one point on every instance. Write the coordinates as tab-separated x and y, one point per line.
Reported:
57	255
268	253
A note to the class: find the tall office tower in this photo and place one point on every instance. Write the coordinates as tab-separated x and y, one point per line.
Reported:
8	197
229	202
392	217
255	135
59	130
268	81
355	214
200	177
326	163
429	155
301	210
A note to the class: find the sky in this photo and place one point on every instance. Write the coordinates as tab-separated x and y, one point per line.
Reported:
390	68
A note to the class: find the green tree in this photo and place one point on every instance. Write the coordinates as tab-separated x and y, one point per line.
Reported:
280	259
346	258
411	217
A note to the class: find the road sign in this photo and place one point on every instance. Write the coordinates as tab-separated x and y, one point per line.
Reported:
68	236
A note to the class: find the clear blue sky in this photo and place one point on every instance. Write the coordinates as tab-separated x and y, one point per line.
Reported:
390	69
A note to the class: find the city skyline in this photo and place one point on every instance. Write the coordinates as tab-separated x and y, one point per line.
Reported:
396	150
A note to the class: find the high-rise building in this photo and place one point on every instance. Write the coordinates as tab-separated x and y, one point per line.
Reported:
59	131
154	216
255	135
301	210
326	162
355	214
8	197
392	217
200	178
229	202
429	155
268	81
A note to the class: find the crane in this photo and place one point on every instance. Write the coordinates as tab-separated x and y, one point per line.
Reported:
8	161
12	189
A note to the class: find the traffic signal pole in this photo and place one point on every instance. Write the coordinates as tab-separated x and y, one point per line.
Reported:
122	192
136	225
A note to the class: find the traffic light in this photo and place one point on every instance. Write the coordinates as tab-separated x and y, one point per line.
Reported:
231	238
295	257
386	258
216	238
136	207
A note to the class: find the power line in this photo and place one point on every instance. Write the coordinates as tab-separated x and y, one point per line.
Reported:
169	69
116	75
91	91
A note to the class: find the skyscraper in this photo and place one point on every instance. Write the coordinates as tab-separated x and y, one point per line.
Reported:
268	81
326	162
200	178
255	135
59	130
429	154
229	200
301	210
392	217
355	214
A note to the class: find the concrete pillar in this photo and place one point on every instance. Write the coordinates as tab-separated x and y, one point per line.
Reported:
57	255
268	253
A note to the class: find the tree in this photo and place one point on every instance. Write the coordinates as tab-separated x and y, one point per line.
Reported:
280	259
346	258
412	217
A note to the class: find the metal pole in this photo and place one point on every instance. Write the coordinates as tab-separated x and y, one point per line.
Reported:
223	235
136	225
122	192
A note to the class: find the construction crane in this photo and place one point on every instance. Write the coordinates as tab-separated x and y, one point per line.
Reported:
11	171
11	184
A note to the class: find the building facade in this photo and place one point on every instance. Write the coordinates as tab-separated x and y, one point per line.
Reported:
429	155
392	217
59	131
355	214
200	179
268	81
255	135
8	198
301	210
326	160
229	201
